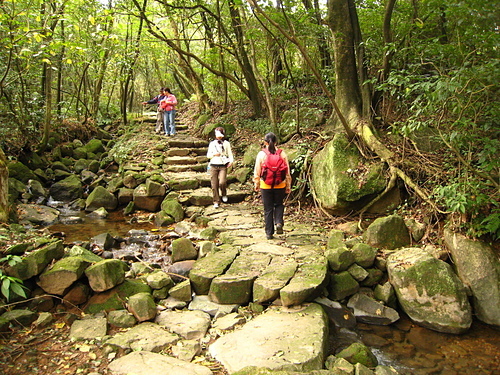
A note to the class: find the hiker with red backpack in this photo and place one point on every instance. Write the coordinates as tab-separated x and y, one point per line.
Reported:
272	178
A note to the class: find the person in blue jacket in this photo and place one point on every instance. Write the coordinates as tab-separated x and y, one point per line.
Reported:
159	110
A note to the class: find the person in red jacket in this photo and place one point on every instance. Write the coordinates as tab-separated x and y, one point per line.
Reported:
168	104
272	195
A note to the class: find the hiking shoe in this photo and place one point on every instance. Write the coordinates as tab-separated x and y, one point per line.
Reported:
224	198
279	228
270	237
216	205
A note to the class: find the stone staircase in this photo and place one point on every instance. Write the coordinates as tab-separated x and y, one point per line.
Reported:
185	168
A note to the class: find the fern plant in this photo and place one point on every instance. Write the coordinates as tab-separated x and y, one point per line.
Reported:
8	284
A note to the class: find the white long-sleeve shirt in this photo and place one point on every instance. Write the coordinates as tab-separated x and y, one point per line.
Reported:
220	147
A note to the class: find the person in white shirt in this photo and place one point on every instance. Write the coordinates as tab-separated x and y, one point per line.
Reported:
221	158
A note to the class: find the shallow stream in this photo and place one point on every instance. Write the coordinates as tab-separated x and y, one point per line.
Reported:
411	349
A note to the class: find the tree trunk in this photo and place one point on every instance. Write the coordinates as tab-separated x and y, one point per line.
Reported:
246	67
4	188
347	88
48	109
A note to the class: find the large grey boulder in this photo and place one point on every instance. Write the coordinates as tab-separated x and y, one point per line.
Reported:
429	292
147	363
338	182
100	197
105	274
67	189
388	232
479	269
273	340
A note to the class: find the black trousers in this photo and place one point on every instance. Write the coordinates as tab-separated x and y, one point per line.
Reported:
273	208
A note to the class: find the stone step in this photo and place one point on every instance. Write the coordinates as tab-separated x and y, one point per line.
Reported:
201	151
185	160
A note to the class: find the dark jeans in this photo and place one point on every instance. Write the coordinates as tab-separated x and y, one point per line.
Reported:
218	180
273	208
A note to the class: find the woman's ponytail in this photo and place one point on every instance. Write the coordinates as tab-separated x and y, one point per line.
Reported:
270	138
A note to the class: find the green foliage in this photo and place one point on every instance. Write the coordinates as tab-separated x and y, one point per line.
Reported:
11	285
475	202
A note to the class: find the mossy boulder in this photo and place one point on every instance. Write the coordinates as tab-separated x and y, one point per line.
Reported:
101	197
342	180
67	189
429	291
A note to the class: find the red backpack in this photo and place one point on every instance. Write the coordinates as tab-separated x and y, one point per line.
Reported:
274	168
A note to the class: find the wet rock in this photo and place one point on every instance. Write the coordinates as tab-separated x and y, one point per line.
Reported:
68	189
338	314
388	233
142	306
429	291
103	241
367	310
101	197
188	324
90	328
359	353
272	340
105	274
147	363
59	277
37	214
